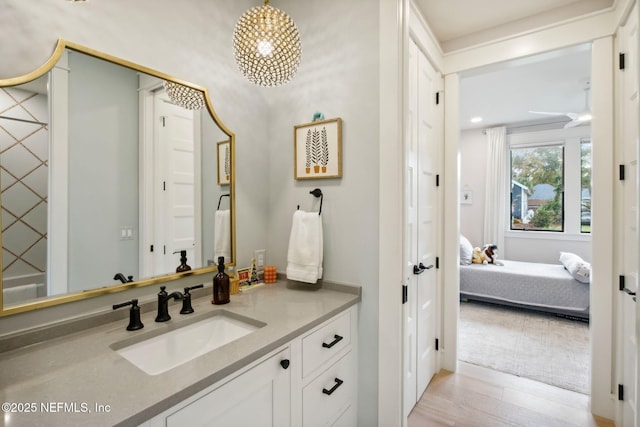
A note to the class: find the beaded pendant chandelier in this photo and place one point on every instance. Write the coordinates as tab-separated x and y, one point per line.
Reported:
184	96
266	45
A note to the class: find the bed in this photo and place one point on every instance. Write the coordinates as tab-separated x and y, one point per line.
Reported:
544	287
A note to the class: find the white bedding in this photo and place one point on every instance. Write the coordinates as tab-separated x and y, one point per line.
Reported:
546	287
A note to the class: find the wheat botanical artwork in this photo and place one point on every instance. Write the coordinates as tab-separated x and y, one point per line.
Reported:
318	149
224	163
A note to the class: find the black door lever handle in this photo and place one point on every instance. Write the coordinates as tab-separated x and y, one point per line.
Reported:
420	268
629	291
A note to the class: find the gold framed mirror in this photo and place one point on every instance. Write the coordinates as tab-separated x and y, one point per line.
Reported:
109	173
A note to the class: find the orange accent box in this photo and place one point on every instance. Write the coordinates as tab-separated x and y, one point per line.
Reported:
270	274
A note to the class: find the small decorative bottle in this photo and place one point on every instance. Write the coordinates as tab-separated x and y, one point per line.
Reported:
220	284
183	262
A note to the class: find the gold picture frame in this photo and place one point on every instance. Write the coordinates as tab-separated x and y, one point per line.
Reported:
224	162
317	149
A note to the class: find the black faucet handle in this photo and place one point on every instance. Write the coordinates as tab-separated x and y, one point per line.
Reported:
188	289
134	314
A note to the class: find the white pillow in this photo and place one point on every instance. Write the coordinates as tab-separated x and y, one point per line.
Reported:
576	266
466	251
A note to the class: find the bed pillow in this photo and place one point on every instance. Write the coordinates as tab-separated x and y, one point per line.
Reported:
576	266
466	251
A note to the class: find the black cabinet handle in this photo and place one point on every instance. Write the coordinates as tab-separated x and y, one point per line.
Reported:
284	363
334	388
337	339
428	267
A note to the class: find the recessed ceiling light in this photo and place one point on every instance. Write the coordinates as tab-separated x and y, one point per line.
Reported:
476	119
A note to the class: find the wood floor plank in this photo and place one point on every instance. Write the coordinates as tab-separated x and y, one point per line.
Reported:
478	397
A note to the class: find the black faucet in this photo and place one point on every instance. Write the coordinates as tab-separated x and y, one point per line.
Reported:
134	314
163	303
186	301
120	276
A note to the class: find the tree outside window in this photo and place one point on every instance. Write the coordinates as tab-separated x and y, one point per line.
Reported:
585	186
537	188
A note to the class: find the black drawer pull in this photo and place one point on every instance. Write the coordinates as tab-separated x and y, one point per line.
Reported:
337	339
334	388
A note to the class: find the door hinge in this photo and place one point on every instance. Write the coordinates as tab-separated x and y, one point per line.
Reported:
437	344
437	98
164	185
437	262
621	284
163	121
405	294
620	392
438	180
621	58
151	248
621	172
164	249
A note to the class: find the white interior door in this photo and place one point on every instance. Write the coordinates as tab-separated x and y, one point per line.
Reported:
630	233
420	309
175	201
411	238
427	225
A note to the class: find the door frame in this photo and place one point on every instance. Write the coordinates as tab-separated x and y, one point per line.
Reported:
602	214
393	33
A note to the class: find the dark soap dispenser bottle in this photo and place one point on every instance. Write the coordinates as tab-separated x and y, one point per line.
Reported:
183	262
221	284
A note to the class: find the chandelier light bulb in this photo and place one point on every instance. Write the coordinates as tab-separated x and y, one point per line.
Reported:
266	46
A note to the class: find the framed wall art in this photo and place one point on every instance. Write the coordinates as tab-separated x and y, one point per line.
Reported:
224	163
244	275
317	149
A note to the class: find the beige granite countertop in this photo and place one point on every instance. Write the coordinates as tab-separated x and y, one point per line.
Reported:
78	380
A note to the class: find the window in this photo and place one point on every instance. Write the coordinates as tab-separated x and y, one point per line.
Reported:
585	186
537	188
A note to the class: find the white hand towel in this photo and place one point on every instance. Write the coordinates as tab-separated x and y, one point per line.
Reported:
222	235
304	260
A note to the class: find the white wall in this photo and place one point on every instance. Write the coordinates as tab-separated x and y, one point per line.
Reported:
338	76
473	167
103	172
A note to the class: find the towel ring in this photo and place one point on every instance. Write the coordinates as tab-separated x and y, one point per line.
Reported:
317	193
220	199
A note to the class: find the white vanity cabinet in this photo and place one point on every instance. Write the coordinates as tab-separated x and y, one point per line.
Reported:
260	397
311	381
329	373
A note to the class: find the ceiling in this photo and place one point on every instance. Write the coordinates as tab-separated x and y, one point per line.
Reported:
505	93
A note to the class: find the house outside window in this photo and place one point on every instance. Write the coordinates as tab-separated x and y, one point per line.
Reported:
537	188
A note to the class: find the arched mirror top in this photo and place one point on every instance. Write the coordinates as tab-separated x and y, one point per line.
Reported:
138	234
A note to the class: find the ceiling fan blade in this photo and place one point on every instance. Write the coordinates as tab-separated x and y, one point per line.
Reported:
572	123
549	113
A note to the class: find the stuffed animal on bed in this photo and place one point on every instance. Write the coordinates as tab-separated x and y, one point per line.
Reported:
487	255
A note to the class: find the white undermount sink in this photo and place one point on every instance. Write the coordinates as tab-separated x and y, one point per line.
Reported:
161	352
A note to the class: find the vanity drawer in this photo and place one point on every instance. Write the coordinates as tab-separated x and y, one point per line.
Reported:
326	342
329	398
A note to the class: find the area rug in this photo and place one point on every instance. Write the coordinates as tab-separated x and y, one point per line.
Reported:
542	347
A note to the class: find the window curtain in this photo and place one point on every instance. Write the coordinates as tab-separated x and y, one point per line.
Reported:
496	187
